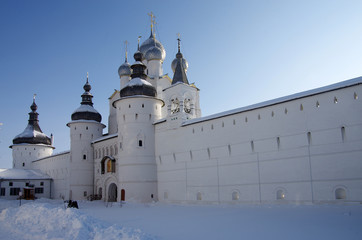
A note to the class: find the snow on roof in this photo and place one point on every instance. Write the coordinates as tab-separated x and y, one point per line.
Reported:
53	155
29	132
105	137
13	173
344	84
85	108
137	82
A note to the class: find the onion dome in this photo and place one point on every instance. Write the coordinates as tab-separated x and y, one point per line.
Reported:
152	42
138	84
32	133
86	110
154	53
124	69
179	66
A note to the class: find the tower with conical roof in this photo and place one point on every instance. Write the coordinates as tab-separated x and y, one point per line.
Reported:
137	109
182	98
85	126
32	143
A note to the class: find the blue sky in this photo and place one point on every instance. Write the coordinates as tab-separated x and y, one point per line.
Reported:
239	53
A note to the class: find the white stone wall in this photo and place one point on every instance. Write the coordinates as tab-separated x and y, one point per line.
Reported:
304	149
81	167
24	154
57	167
136	134
103	150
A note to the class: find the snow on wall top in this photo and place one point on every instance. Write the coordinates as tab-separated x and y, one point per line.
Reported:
14	173
344	84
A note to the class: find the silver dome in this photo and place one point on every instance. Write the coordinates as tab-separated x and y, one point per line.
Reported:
124	69
154	53
185	64
152	42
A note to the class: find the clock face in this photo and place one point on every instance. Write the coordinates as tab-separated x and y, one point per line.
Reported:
175	106
187	105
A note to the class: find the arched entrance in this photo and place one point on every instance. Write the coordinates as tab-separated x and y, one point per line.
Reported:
123	195
112	193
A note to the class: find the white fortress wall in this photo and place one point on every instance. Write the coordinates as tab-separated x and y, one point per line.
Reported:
57	167
302	149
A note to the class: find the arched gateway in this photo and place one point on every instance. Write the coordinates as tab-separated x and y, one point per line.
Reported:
112	193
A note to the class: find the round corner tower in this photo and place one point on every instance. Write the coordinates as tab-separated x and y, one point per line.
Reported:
85	126
32	143
137	109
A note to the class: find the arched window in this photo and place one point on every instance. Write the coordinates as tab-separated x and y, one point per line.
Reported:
340	193
235	196
199	196
111	165
280	194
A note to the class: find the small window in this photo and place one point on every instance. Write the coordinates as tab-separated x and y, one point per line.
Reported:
286	111
280	194
129	106
140	143
84	157
23	164
85	193
10	184
143	105
199	196
27	184
86	128
2	192
340	193
235	196
343	133
259	117
246	119
136	117
309	136
355	96
272	113
39	190
41	183
14	191
317	104
301	107
335	100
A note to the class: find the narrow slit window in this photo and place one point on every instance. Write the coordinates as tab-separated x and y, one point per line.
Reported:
140	143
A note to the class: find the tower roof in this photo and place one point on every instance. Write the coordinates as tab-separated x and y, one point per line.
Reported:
32	134
86	110
138	84
179	66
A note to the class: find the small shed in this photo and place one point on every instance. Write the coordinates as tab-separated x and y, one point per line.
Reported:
31	183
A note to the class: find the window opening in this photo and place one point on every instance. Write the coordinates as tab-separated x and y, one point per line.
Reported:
140	143
235	196
280	195
340	193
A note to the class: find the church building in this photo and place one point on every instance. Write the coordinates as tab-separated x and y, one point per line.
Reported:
302	148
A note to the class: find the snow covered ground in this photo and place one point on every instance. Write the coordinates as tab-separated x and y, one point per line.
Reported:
49	219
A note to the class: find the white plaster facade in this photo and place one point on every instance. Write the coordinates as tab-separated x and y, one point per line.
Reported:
306	147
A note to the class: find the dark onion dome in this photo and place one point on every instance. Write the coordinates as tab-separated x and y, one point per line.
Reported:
32	133
86	110
179	67
184	62
152	42
138	84
154	53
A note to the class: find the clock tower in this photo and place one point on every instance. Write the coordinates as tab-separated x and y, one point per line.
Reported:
182	98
